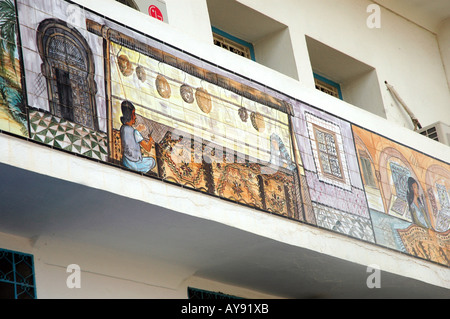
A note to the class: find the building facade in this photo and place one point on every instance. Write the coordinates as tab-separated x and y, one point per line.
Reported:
174	149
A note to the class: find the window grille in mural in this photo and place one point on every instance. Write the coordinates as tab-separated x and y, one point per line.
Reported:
69	69
443	215
400	177
443	196
327	146
328	154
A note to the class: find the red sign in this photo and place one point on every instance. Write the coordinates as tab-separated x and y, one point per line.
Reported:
154	12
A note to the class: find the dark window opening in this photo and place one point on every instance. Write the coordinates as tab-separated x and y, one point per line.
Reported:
194	293
129	3
233	44
16	275
327	86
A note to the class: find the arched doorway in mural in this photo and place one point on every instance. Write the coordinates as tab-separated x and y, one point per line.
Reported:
370	175
69	69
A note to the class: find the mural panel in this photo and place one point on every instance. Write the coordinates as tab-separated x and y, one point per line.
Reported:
175	119
63	65
13	117
98	89
336	191
407	193
101	90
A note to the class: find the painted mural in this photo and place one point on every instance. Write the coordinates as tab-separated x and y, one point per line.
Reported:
98	89
13	117
407	193
331	169
175	120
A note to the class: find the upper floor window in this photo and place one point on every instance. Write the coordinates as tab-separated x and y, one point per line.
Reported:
233	44
129	3
346	78
16	275
327	86
249	30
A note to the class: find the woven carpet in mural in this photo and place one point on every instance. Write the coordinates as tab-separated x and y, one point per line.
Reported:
191	163
426	243
240	182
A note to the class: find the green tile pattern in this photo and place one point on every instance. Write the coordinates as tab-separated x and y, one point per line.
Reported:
60	133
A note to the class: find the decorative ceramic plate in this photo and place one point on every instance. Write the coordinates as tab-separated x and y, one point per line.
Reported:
125	66
243	114
257	121
203	100
187	93
163	87
140	72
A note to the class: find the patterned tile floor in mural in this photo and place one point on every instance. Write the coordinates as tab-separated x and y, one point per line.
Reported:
344	223
59	133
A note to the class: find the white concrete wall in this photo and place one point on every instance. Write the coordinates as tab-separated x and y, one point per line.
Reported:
444	45
403	53
108	274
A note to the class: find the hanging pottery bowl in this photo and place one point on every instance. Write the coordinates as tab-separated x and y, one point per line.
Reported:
203	100
243	114
187	93
125	66
257	121
163	87
140	73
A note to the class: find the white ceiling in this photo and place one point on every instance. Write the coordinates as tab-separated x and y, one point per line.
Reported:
427	13
241	21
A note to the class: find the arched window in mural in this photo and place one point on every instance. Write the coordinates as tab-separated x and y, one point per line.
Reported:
69	69
399	176
367	169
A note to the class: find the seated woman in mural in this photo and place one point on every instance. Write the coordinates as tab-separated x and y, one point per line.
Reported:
417	205
132	141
